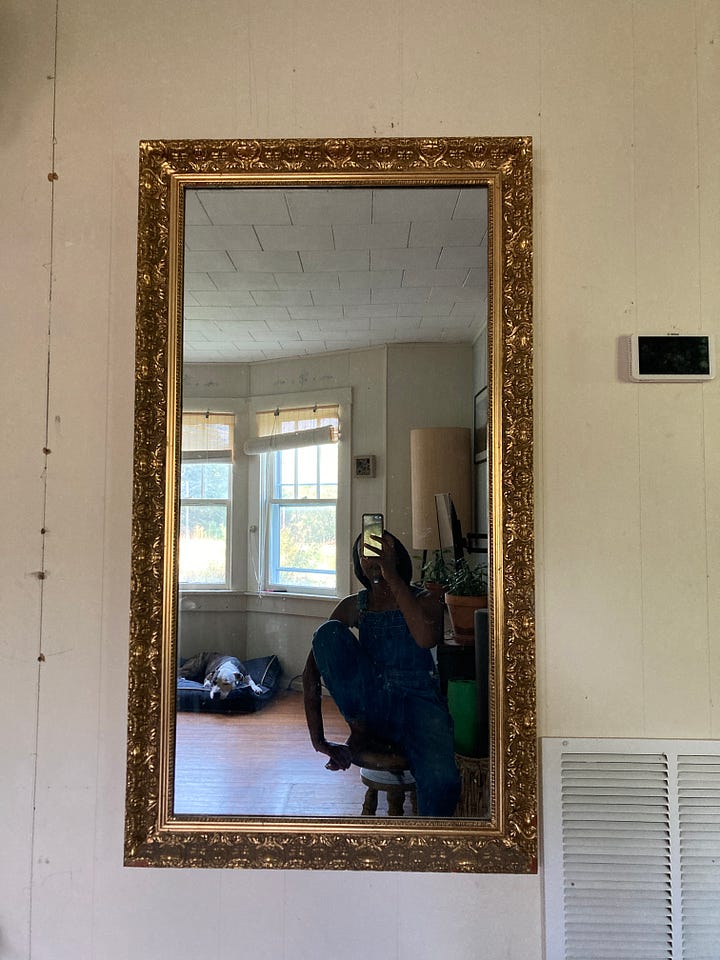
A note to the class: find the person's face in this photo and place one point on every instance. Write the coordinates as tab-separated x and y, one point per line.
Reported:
371	568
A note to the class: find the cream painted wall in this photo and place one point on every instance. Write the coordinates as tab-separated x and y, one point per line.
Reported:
622	99
429	385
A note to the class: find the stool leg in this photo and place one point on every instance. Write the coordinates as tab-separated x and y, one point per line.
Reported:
396	796
370	803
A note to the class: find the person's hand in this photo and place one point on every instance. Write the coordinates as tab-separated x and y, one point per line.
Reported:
339	754
386	553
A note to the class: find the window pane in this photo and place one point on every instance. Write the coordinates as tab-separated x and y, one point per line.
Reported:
306	544
285	474
329	463
203	538
328	472
191	481
216	481
204	481
307	469
308	473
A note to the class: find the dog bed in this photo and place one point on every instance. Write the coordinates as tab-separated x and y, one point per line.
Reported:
265	671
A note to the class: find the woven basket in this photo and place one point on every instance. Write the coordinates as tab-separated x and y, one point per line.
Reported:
475	793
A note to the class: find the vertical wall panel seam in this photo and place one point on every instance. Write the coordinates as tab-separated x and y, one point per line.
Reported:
638	426
106	537
703	390
41	624
400	21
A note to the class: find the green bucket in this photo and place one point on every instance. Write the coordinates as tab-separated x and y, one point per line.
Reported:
463	706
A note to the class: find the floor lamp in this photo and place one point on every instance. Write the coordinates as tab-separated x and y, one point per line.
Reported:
440	462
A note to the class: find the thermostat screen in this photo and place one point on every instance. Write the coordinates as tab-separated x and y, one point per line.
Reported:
687	356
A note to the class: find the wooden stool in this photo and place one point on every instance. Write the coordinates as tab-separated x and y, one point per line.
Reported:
396	785
386	772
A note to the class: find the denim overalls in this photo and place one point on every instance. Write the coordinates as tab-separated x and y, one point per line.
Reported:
386	681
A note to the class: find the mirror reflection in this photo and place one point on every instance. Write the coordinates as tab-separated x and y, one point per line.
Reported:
334	362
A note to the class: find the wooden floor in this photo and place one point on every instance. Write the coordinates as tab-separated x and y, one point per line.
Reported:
262	764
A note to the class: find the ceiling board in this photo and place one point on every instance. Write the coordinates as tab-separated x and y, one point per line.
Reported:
292	272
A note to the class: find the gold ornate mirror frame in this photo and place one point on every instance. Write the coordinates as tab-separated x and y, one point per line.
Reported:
155	835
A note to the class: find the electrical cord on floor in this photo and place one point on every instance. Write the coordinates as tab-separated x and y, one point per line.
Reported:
298	689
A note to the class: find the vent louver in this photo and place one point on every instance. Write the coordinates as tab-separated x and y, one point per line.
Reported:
631	835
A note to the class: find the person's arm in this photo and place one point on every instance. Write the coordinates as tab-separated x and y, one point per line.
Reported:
338	753
423	614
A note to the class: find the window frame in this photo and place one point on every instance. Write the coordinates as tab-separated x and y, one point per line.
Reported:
186	585
271	512
257	493
236	549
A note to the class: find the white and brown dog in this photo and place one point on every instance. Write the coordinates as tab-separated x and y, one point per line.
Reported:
218	673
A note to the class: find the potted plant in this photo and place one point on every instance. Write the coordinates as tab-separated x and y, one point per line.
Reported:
466	592
435	574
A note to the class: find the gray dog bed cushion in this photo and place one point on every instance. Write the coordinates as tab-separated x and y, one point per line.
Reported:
265	671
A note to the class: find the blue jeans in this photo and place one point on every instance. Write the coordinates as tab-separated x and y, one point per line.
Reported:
403	706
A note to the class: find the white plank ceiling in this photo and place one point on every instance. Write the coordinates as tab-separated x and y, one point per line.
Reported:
275	272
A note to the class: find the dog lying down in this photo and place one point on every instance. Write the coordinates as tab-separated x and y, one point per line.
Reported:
218	673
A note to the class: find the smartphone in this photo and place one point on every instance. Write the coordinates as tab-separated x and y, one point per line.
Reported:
373	525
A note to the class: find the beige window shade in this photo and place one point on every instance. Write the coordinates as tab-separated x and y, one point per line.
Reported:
294	427
207	436
297	419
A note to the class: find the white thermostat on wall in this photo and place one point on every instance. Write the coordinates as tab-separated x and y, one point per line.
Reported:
671	356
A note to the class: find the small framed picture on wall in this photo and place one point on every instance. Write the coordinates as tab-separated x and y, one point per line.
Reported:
364	466
480	425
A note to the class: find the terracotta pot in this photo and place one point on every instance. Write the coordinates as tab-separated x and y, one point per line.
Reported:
436	590
462	616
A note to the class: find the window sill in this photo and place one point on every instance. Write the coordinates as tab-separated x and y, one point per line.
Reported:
233	601
291	604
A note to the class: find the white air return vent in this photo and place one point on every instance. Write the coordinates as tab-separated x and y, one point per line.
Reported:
631	849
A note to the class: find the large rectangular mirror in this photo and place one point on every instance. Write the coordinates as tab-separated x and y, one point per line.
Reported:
328	329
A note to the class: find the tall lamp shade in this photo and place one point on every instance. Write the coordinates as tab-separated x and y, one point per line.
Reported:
440	462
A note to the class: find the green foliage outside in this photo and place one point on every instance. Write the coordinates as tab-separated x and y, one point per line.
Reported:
203	537
307	541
